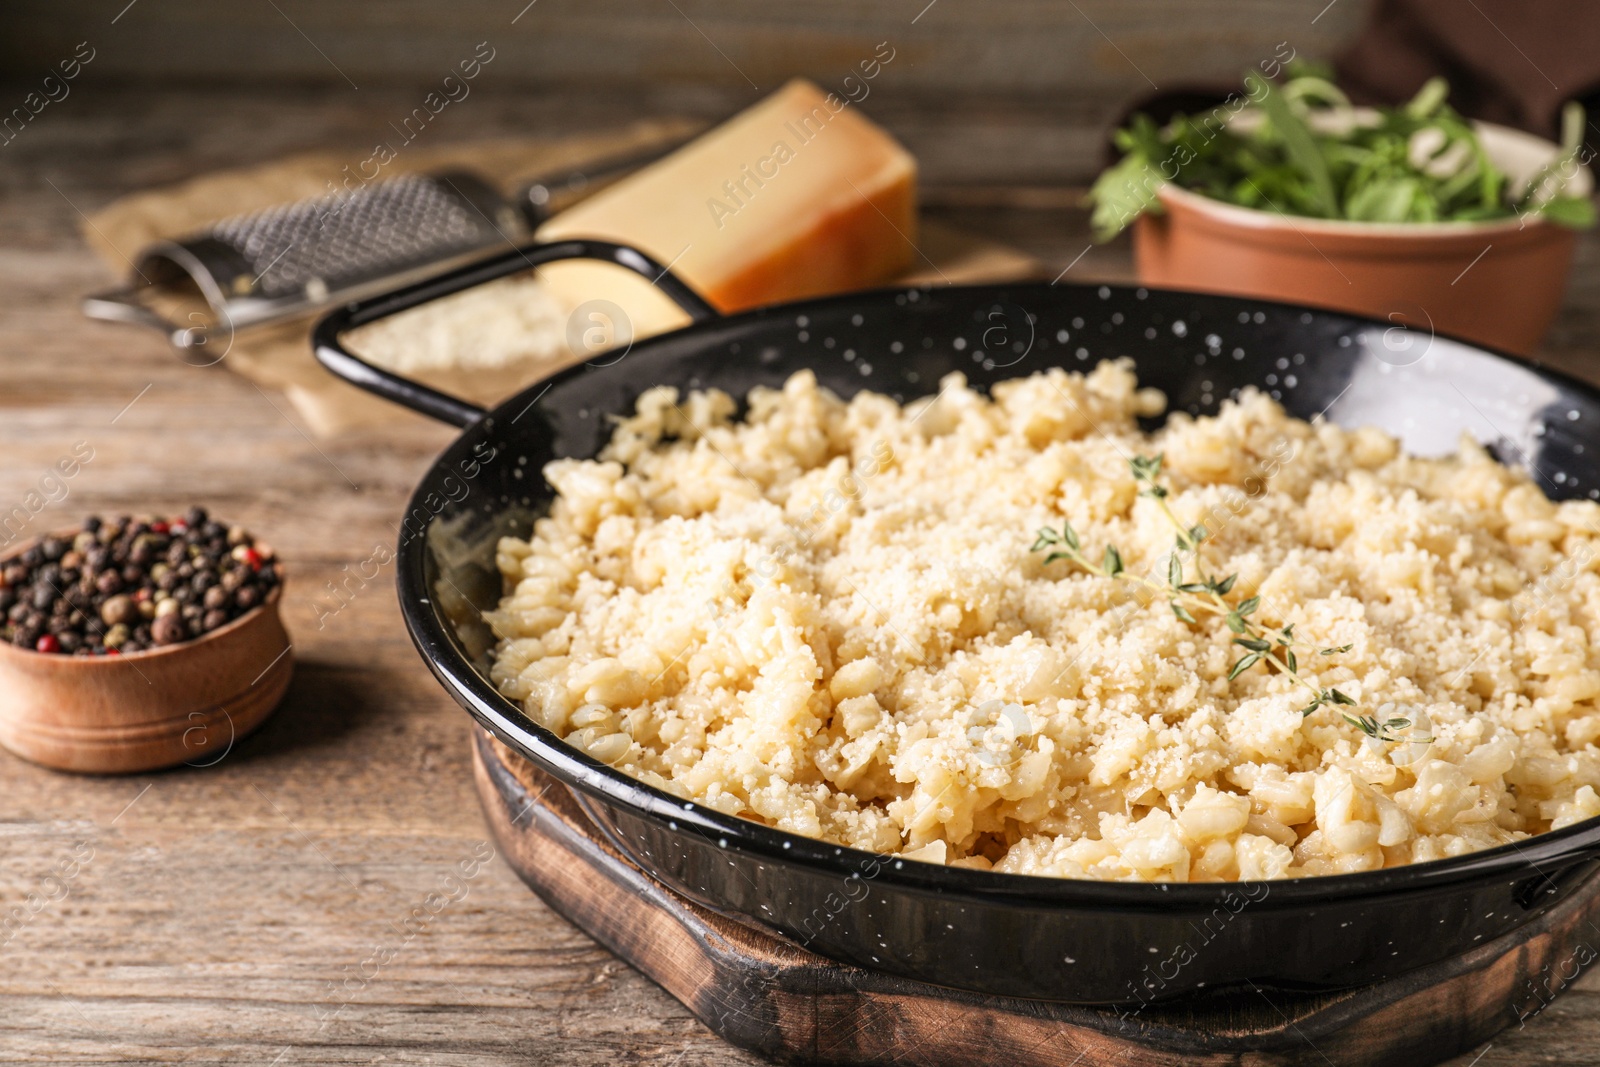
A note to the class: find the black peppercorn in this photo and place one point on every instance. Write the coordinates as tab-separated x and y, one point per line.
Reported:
167	630
128	585
119	610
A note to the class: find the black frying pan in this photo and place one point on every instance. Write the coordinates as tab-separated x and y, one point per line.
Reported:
1057	939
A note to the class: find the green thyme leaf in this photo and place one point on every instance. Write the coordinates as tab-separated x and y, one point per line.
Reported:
1248	607
1146	468
1113	562
1235	623
1222	588
1288	658
1182	612
1197	533
1243	665
1364	724
1174	571
1070	536
1336	651
1339	698
1254	644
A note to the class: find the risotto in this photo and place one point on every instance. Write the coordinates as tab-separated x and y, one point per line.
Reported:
827	617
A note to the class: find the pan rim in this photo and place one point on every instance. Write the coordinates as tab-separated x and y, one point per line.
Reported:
1515	861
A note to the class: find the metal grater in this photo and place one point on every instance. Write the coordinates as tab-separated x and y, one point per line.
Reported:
287	261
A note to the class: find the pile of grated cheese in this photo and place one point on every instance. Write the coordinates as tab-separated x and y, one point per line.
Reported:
826	617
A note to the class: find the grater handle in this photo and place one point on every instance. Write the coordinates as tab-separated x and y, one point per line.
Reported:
331	353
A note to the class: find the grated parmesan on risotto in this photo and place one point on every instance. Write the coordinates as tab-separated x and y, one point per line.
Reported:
826	617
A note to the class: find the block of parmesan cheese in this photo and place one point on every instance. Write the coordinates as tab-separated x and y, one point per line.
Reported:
797	196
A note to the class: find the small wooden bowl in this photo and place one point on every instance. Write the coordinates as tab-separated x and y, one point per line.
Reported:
141	711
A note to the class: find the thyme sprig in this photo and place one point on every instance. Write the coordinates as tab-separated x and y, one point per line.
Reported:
1190	595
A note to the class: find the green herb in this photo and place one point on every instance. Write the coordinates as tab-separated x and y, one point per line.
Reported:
1385	730
1202	593
1303	150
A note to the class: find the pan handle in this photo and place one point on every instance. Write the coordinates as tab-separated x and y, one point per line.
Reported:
331	353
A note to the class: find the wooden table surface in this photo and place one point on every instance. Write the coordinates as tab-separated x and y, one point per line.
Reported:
252	911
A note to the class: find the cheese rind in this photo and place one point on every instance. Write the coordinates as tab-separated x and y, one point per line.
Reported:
798	196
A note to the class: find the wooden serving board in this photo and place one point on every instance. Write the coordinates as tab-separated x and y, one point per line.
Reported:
764	993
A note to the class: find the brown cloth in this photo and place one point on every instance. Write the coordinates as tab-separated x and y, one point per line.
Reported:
1514	62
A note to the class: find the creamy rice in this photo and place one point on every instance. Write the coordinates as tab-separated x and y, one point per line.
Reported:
827	618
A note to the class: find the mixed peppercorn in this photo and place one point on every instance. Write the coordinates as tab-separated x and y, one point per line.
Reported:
126	585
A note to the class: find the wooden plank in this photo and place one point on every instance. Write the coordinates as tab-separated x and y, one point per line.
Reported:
1008	46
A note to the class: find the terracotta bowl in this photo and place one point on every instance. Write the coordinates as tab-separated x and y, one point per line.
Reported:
141	711
1497	283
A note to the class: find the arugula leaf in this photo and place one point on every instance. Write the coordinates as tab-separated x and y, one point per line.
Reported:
1579	214
1301	147
1306	152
